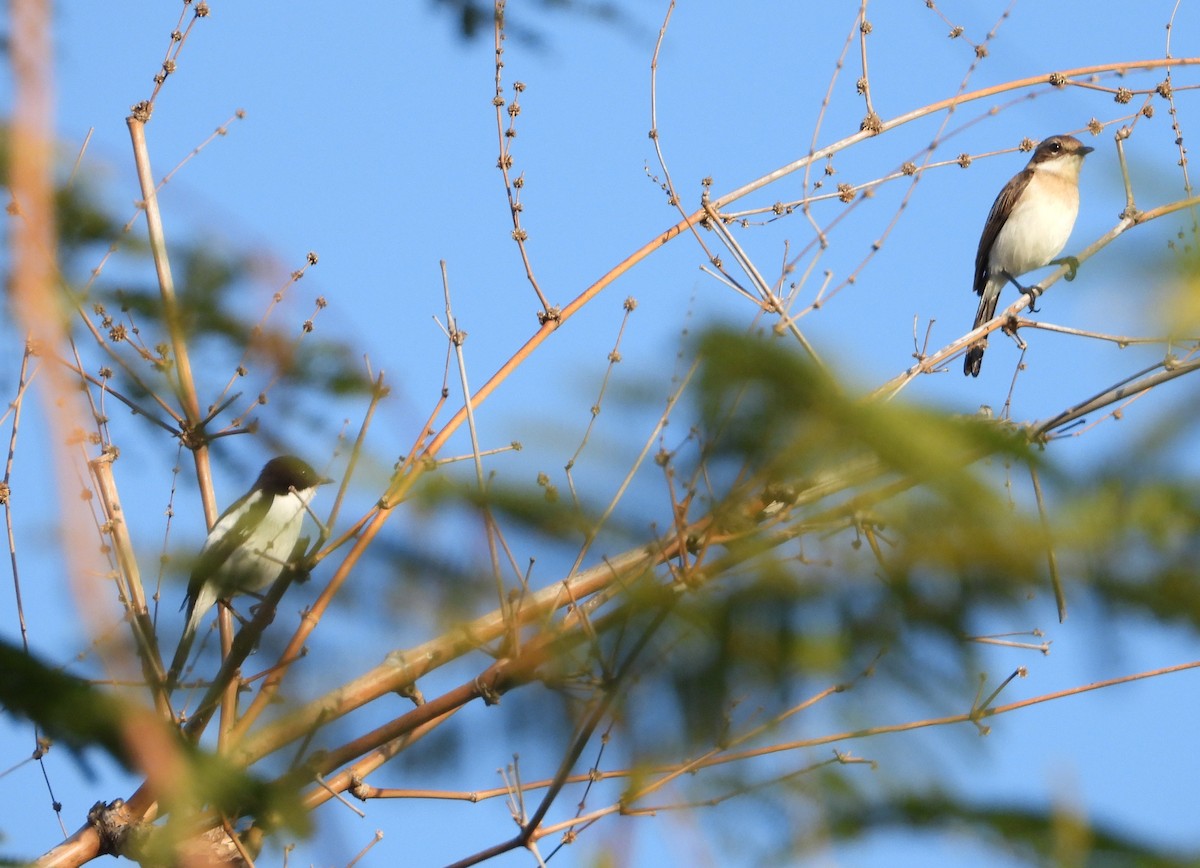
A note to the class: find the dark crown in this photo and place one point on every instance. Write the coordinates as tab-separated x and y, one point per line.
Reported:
281	474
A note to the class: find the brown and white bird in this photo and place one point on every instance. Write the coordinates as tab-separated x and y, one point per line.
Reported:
1028	226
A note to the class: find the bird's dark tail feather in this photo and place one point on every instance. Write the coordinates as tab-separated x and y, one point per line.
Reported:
197	607
987	310
180	660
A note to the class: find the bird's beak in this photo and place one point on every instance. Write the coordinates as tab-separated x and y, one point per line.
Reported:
325	480
1085	150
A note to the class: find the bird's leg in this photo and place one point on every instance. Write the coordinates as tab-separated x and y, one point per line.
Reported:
1033	291
1070	262
229	605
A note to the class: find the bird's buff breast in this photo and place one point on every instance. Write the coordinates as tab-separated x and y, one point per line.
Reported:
1034	234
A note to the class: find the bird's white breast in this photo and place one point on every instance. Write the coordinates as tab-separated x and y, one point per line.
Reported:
1038	227
255	565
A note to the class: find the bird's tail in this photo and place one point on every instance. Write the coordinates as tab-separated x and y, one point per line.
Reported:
987	310
197	608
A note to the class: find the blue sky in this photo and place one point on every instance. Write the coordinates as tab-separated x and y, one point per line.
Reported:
370	138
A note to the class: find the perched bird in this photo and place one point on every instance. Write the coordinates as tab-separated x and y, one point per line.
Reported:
1028	226
250	544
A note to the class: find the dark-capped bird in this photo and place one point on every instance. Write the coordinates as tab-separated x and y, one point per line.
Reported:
250	544
1028	226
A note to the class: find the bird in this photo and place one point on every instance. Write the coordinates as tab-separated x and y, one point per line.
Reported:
1028	226
249	545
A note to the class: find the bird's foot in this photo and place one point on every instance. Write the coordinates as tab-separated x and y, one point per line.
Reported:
1033	292
1072	264
253	610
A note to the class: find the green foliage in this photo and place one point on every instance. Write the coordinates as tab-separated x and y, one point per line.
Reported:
84	223
72	712
1054	837
1136	542
782	416
882	539
66	709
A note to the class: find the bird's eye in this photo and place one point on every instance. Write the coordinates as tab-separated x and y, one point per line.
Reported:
1056	146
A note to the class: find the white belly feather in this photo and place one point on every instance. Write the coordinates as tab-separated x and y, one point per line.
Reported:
1035	232
253	568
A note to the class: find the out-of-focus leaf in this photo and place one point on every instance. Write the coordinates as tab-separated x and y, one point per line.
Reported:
891	540
83	222
764	404
67	709
553	517
474	17
1045	837
71	712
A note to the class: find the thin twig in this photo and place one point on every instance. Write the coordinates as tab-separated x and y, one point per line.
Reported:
512	187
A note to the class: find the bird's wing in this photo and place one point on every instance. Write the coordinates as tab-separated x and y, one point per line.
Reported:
228	534
230	531
996	219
